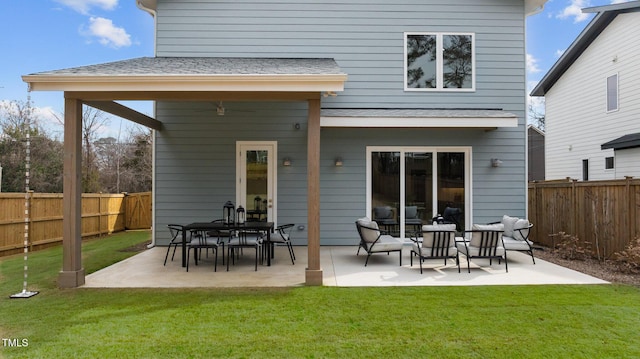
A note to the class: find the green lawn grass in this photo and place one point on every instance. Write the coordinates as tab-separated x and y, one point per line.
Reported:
581	321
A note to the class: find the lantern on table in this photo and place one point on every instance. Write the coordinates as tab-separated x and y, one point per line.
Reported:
228	212
240	215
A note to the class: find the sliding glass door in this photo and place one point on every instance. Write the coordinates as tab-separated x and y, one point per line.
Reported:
408	186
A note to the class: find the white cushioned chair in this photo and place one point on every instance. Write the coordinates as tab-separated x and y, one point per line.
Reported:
485	242
435	242
373	240
516	235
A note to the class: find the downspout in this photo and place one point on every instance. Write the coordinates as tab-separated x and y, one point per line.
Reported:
150	7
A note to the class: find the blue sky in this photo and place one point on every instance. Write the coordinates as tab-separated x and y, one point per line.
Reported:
40	35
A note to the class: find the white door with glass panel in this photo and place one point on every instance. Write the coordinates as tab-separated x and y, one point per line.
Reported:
256	179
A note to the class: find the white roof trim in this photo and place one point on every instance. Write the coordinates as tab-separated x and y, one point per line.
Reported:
276	82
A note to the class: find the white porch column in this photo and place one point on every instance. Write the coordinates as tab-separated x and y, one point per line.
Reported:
72	274
313	274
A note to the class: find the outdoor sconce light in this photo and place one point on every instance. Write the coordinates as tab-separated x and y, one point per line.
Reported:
339	162
496	162
241	215
228	212
286	162
220	109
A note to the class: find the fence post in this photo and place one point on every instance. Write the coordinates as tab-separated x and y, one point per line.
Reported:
574	205
631	213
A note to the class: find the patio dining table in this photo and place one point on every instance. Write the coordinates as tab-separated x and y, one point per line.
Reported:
266	227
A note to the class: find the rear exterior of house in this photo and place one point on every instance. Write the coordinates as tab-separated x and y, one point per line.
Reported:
592	100
432	113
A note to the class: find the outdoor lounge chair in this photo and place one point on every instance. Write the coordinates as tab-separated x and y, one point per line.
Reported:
373	240
435	242
485	242
516	235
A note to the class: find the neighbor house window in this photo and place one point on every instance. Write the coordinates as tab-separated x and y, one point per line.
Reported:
612	93
585	170
608	163
439	62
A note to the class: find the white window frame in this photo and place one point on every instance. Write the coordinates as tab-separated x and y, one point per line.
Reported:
617	93
435	150
439	65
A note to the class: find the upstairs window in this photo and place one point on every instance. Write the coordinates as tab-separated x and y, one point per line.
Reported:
612	93
439	62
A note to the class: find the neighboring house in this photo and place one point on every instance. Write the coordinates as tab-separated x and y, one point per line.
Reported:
536	153
592	97
318	113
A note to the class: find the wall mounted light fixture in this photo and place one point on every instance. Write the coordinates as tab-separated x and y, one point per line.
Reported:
286	162
220	109
339	162
496	162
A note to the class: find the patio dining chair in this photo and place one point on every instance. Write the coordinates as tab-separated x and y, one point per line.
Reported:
282	235
244	239
200	241
485	242
435	242
176	239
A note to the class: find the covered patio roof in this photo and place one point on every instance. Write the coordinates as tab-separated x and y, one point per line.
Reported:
184	79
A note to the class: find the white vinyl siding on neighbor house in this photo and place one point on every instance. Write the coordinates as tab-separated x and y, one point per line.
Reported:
627	163
577	121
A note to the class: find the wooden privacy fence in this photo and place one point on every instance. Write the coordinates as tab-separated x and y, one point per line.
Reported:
101	214
602	213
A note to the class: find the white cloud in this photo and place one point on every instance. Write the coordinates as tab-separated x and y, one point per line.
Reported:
574	10
532	64
559	53
107	33
83	6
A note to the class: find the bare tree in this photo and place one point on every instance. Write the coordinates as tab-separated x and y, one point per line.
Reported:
18	118
536	112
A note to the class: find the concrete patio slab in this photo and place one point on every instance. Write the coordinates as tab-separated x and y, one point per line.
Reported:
341	267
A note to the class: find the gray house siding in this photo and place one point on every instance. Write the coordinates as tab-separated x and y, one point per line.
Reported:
195	152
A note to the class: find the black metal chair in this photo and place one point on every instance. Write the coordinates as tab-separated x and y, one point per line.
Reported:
385	218
200	241
282	235
373	240
244	239
484	243
435	242
176	239
411	218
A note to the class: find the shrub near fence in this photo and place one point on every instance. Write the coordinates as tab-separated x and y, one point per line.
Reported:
101	214
602	213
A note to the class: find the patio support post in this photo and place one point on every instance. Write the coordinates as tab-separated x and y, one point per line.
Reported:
313	274
72	274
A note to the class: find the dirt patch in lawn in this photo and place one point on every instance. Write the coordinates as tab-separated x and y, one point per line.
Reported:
137	248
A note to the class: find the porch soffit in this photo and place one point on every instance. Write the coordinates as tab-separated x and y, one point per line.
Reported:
195	74
418	118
